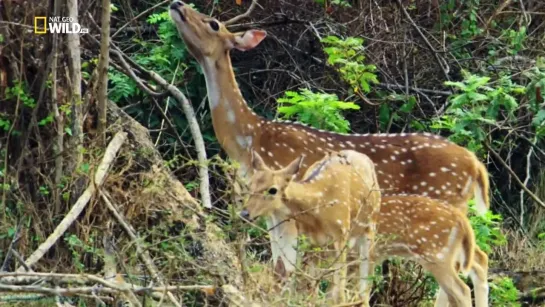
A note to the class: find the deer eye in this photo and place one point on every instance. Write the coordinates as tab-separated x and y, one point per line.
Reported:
214	25
272	191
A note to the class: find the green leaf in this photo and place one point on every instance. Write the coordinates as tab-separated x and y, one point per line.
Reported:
539	118
459	85
476	96
384	115
85	168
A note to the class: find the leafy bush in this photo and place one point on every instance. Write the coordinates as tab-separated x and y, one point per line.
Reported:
348	57
487	229
320	110
504	293
478	106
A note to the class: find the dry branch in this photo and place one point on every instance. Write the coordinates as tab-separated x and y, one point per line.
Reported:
100	176
236	298
514	175
100	285
440	61
142	253
189	113
242	16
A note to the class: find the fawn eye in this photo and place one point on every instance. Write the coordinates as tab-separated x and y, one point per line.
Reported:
272	191
214	25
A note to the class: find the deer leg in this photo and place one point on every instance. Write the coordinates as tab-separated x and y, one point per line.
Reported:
479	277
283	242
442	299
457	291
366	266
339	279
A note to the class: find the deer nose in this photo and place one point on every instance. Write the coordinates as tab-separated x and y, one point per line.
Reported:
176	4
245	214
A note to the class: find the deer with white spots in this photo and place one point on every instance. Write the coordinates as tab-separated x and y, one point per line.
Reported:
430	232
421	164
337	202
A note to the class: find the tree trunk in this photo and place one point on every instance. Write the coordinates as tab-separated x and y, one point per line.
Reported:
74	55
103	70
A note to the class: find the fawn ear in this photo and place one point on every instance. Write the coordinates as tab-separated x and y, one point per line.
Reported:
294	167
247	40
257	162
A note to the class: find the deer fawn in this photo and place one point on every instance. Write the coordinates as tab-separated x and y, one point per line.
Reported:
421	164
337	202
431	232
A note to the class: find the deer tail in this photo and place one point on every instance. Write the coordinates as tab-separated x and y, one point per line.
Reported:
482	198
468	244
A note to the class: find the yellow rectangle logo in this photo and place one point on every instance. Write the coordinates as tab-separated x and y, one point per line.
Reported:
37	29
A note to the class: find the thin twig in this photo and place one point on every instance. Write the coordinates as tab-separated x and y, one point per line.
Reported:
72	215
528	166
140	15
16	237
514	175
144	255
190	115
435	53
242	16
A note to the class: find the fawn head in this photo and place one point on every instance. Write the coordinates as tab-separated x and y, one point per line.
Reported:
206	37
267	188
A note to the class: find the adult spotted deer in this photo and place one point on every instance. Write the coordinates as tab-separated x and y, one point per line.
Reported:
431	232
406	163
337	202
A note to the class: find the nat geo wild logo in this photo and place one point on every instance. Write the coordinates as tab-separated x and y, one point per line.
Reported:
61	25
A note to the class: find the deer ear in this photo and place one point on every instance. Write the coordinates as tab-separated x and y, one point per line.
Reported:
294	167
257	162
249	39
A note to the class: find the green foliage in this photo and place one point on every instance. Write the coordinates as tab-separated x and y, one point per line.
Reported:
477	106
19	92
165	58
78	247
536	95
388	114
5	124
347	56
320	110
487	229
488	234
514	39
504	293
47	120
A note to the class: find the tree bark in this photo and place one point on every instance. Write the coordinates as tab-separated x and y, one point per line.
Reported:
102	94
59	119
73	42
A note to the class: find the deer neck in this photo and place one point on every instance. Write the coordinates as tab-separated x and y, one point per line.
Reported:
235	124
301	197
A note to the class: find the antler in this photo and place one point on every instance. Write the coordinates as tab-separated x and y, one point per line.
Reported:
241	16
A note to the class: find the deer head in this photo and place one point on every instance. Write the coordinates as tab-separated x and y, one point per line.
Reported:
267	188
206	37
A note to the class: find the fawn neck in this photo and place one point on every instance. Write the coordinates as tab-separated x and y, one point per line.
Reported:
235	124
301	197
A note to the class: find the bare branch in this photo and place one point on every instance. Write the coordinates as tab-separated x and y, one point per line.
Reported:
242	16
140	15
514	175
100	175
189	113
144	255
